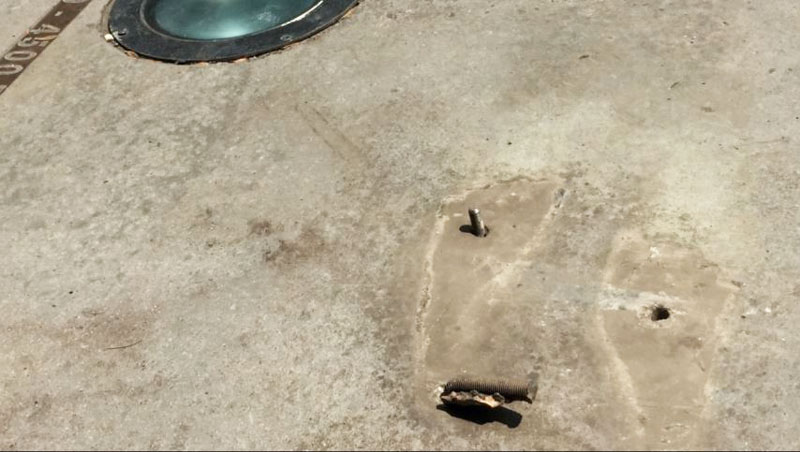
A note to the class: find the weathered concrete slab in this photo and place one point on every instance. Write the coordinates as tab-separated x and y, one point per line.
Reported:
235	255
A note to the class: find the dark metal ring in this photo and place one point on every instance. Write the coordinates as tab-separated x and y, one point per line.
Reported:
129	25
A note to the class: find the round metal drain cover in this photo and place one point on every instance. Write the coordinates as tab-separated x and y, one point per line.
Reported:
186	31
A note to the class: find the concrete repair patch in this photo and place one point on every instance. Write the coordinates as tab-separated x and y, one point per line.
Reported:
472	279
648	335
659	320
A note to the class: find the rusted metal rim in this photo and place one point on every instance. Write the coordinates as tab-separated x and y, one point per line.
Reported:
129	24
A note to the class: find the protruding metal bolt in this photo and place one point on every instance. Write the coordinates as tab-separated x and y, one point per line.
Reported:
478	228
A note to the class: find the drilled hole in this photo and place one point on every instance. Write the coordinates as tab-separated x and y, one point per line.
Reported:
659	313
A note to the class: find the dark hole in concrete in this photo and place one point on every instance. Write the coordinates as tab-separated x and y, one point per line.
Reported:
659	313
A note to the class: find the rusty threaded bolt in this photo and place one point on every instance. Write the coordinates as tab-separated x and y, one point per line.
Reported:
511	390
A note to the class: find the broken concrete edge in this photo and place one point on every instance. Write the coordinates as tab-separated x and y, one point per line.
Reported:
473	398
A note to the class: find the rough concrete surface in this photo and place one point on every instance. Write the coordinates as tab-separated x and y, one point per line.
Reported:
16	16
267	254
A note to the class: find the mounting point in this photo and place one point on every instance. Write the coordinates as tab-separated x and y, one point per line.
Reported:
479	229
659	313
